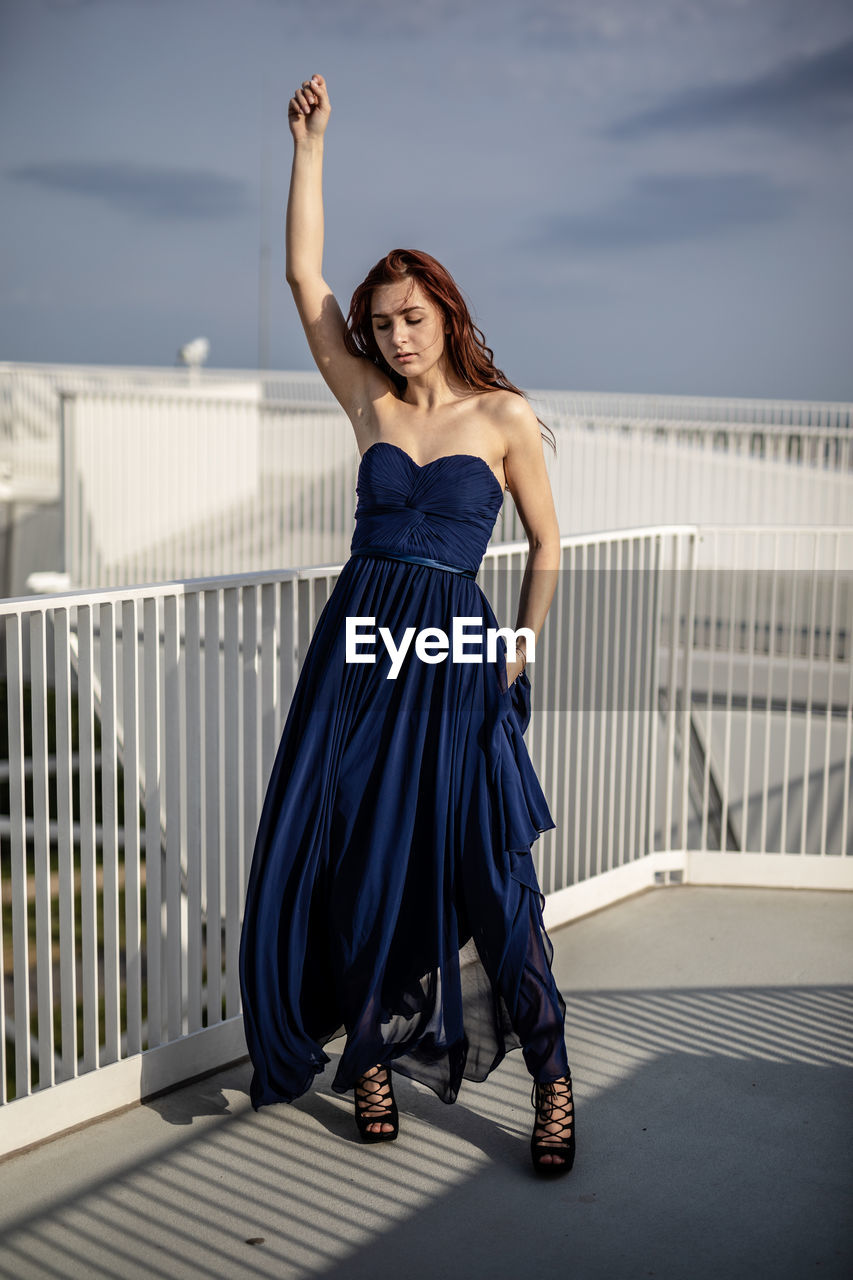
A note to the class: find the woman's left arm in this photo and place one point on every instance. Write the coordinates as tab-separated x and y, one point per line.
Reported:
528	482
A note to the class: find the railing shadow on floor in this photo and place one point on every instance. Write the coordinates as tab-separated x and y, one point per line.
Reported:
720	1147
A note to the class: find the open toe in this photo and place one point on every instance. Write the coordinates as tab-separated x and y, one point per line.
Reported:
375	1109
552	1145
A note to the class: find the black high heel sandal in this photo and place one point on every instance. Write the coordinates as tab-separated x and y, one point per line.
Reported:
555	1116
373	1091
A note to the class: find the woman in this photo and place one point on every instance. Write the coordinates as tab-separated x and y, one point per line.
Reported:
392	893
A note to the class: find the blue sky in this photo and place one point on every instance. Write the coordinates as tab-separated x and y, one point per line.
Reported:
634	195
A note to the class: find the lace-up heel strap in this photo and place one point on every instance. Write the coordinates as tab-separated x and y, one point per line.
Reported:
554	1128
375	1094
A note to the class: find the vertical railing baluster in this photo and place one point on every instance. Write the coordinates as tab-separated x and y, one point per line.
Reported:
673	574
607	769
769	669
830	669
755	578
811	659
648	795
153	846
709	537
730	679
639	590
269	681
109	834
88	848
65	840
581	753
687	683
560	658
623	631
596	732
846	770
18	851
41	848
250	771
792	630
232	790
214	800
132	831
172	773
193	810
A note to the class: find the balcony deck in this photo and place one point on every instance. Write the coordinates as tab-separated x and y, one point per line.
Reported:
710	1034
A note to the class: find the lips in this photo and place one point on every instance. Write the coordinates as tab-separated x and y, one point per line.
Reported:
408	355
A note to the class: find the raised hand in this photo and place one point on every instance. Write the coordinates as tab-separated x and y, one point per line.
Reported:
309	109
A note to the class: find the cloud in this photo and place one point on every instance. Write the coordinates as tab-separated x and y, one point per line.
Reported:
354	18
804	95
525	21
665	209
147	191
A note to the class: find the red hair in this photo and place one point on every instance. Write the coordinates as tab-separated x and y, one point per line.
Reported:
464	344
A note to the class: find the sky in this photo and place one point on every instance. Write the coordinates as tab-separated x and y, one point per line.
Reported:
633	195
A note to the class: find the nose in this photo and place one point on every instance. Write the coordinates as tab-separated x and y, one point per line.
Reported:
398	335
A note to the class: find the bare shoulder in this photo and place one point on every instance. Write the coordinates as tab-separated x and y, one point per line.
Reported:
524	464
513	416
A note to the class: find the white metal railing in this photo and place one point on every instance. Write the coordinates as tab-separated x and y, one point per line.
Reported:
622	407
692	712
154	491
30	412
156	487
814	447
623	461
30	391
611	477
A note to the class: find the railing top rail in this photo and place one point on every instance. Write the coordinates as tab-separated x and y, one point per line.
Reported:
186	586
715	425
178	373
619	399
184	392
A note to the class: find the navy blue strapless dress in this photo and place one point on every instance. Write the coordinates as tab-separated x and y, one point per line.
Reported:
392	894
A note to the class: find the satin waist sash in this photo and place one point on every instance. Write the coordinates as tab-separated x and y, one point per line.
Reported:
410	559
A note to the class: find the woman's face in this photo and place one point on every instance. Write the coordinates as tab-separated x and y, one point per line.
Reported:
408	327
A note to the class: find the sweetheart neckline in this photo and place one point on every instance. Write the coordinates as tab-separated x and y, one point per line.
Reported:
422	466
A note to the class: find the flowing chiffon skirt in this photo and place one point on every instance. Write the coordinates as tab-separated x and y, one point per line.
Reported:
392	895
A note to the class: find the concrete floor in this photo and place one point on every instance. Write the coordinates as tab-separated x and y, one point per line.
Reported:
710	1034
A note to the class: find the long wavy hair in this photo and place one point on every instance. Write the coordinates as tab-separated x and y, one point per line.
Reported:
465	346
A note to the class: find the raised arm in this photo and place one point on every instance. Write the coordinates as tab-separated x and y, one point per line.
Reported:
350	378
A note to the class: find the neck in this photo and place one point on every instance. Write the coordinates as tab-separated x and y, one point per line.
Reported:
433	389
